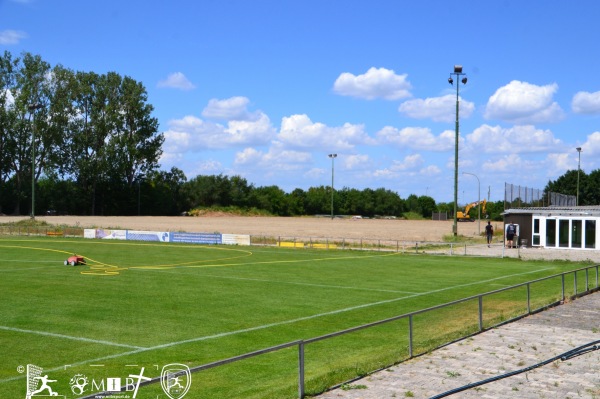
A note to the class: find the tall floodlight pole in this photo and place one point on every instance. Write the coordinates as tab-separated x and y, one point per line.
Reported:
478	201
332	156
578	169
458	72
32	108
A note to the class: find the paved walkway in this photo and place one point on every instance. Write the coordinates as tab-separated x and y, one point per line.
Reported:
497	250
511	347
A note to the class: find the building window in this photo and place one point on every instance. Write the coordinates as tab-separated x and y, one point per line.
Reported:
563	233
590	234
536	232
550	232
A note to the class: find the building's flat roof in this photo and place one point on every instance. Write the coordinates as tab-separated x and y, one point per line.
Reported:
548	211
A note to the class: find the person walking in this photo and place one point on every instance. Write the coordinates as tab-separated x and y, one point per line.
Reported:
511	230
489	233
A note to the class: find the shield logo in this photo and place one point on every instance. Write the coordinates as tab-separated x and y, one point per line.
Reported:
176	380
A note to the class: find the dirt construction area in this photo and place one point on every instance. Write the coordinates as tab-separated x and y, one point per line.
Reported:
384	229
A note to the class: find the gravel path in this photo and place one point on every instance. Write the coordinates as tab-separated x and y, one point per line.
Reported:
511	347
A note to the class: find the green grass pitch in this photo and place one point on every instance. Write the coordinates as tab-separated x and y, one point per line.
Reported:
146	305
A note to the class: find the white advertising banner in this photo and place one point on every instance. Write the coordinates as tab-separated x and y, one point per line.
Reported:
236	239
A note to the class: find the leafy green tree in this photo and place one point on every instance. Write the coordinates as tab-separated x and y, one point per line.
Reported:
565	184
318	200
590	189
494	210
412	204
387	203
350	201
427	206
25	79
162	193
135	144
271	199
295	201
8	119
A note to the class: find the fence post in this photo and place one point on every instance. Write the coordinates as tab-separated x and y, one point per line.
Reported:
575	282
587	280
410	337
528	299
480	312
596	276
563	286
301	369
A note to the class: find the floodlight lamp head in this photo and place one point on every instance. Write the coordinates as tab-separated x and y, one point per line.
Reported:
578	149
457	68
464	80
450	80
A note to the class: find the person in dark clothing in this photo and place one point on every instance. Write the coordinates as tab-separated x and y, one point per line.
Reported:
510	234
489	233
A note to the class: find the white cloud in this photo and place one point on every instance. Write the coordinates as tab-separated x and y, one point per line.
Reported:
511	163
276	159
558	164
234	108
176	80
192	134
375	83
592	145
524	103
410	164
430	170
300	132
249	156
439	109
355	161
517	139
314	174
419	138
8	37
586	103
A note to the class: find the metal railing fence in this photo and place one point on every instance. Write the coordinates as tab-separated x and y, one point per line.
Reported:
582	282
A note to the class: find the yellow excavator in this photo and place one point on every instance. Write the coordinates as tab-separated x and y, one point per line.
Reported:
465	217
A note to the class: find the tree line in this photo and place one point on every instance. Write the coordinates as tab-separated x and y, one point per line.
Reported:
88	144
89	137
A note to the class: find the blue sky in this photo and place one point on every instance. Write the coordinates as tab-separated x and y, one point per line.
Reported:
267	89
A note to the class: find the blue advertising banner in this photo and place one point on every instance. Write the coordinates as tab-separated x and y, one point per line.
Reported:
137	235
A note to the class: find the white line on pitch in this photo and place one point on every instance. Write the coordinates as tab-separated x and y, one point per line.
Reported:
55	335
225	334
